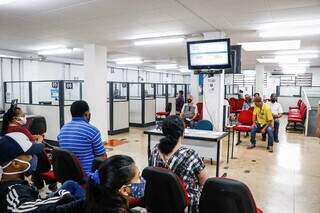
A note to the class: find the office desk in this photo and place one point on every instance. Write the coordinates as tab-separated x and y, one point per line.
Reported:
204	142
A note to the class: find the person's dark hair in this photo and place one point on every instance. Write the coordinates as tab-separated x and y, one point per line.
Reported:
104	197
256	94
172	128
12	112
180	92
78	108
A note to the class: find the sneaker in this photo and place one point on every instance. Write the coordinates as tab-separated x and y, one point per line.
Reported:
270	148
251	146
276	141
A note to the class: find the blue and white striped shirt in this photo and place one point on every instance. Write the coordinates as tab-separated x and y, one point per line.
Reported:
82	139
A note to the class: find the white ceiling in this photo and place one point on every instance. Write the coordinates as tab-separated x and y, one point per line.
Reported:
27	25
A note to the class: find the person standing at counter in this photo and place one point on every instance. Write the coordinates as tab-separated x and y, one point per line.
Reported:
82	138
179	102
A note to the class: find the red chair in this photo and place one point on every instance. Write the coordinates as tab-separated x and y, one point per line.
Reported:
296	107
200	112
296	118
239	103
166	113
223	195
233	104
245	122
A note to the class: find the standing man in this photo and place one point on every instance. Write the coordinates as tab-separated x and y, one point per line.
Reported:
179	102
277	112
262	122
82	138
189	112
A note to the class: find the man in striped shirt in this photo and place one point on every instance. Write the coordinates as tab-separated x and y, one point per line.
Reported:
82	138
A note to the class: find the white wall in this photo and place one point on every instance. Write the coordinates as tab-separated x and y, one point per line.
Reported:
315	76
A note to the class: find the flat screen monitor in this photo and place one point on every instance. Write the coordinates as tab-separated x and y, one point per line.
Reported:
235	57
209	54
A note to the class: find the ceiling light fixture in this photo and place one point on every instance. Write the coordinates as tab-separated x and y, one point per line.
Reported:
129	62
291	24
55	51
6	1
127	59
295	52
271	45
8	56
294	70
166	66
158	41
301	56
289	32
184	70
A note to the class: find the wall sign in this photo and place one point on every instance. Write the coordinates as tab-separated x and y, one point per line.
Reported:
69	85
55	84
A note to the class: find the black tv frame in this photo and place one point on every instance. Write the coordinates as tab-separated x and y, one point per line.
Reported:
209	67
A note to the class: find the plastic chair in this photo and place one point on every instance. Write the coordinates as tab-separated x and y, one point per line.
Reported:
167	111
233	105
164	191
204	125
222	195
245	121
200	111
239	103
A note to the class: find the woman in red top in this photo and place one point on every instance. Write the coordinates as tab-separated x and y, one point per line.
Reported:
14	120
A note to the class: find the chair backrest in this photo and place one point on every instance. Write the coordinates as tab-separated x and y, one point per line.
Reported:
163	192
200	110
299	103
37	125
233	104
246	117
204	125
239	103
66	166
168	107
227	196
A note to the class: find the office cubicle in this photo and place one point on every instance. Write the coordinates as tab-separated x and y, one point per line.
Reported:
51	99
311	97
142	104
118	107
288	96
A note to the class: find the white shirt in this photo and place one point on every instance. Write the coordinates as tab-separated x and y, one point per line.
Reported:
276	108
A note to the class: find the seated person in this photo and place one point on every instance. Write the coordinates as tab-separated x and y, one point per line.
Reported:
189	112
256	95
16	195
179	102
82	138
277	112
184	162
263	122
14	120
113	185
247	102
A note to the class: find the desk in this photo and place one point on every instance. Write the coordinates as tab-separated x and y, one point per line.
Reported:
204	142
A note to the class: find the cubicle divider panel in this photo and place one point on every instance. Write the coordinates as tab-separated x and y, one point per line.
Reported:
160	104
172	100
120	115
135	111
150	106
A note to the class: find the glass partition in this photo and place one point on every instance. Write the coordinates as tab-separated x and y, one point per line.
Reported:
72	92
17	90
180	87
161	90
45	93
149	91
135	90
171	90
289	91
120	91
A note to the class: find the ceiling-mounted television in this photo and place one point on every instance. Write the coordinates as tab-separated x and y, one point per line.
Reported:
235	57
209	54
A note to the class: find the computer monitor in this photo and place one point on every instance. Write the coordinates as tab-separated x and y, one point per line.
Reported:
209	54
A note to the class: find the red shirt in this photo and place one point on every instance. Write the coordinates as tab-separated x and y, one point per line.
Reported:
22	130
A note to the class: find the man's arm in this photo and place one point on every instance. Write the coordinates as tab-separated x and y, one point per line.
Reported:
182	110
195	113
98	147
280	111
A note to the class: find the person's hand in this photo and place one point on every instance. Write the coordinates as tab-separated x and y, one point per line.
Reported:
39	138
318	132
263	130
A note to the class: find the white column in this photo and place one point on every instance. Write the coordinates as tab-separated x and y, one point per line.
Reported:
260	78
194	81
95	86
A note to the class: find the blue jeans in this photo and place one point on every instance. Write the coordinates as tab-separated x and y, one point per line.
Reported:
276	129
257	128
74	188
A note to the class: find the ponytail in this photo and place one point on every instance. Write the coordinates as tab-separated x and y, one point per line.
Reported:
7	118
172	129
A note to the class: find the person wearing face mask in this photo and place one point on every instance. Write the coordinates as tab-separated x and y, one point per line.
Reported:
183	161
247	103
189	112
82	138
112	187
277	112
16	195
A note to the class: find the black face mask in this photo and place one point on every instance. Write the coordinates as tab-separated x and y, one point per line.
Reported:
273	100
189	101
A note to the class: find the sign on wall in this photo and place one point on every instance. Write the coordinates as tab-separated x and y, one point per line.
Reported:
69	85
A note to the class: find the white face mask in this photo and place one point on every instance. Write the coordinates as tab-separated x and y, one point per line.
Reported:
14	173
22	120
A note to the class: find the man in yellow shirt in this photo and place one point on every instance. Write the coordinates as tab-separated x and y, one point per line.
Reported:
262	122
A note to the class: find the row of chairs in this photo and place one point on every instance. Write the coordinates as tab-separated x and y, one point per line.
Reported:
168	110
296	117
235	104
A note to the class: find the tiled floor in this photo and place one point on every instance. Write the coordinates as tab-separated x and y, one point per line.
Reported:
286	181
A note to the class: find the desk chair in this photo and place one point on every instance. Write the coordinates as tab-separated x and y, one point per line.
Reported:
244	123
166	113
221	195
204	125
164	191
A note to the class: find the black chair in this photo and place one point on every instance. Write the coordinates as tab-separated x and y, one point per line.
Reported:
164	191
66	166
221	195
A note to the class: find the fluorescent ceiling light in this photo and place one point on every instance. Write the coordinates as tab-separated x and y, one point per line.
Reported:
127	59
298	31
184	70
291	24
302	56
77	50
6	1
52	47
294	70
271	45
295	52
158	41
294	65
275	60
166	66
55	51
8	56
